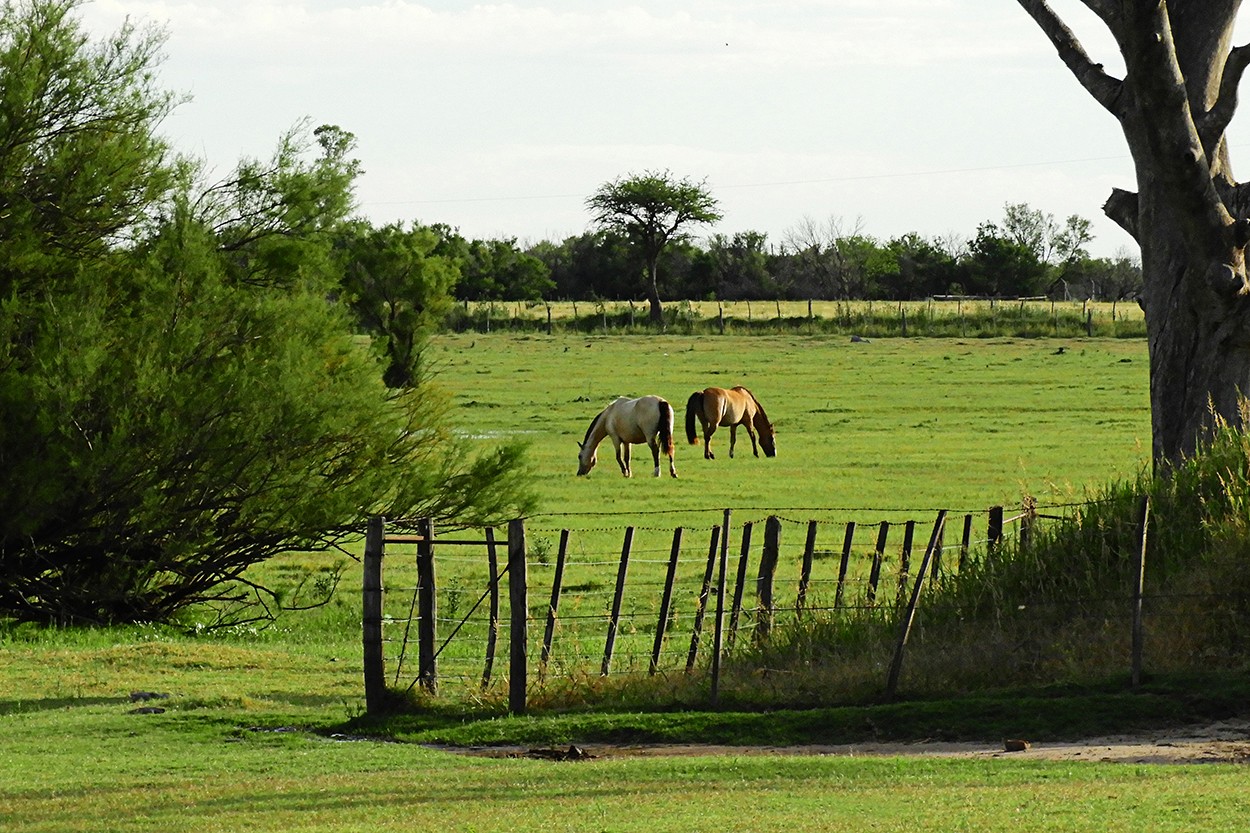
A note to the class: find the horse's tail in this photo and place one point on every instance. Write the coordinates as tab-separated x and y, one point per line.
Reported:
666	427
693	406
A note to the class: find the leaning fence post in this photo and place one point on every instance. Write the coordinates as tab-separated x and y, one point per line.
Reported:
427	609
371	619
736	607
518	613
492	632
666	602
878	556
718	634
615	620
805	575
696	630
764	582
909	616
844	563
1139	588
553	607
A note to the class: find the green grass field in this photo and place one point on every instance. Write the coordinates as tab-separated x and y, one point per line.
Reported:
901	425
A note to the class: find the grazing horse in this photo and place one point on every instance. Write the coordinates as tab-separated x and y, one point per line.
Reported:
738	406
648	419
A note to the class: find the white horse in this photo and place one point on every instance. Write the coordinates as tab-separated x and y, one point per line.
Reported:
648	419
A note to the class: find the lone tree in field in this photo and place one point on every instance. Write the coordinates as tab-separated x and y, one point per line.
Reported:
1191	218
652	210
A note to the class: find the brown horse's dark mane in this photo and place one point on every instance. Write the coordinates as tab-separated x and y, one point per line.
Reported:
761	418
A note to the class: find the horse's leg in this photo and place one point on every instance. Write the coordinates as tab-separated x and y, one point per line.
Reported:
708	430
672	469
622	455
655	453
751	433
733	439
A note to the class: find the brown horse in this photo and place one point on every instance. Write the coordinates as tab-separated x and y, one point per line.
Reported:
717	406
648	419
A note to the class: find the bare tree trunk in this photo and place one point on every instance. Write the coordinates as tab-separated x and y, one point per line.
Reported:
1190	218
653	291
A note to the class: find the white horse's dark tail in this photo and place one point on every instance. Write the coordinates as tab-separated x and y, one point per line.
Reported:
694	406
665	430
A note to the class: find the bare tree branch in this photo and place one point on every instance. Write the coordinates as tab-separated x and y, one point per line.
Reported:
1214	122
1122	207
1105	89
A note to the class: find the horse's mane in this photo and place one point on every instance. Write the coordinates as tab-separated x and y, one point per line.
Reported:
758	408
593	423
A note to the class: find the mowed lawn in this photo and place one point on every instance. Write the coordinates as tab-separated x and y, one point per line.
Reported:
892	424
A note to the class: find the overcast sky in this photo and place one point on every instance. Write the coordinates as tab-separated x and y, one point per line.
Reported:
501	118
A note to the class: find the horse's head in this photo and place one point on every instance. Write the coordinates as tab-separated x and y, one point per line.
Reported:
586	459
768	439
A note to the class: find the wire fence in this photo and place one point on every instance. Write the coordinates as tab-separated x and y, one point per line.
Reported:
687	603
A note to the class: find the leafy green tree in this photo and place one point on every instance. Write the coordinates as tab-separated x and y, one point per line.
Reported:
400	290
740	266
997	265
178	398
497	270
652	209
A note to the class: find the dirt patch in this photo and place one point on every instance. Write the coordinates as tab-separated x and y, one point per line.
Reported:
1223	742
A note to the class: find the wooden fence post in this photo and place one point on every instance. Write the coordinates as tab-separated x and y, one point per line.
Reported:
371	619
666	602
1139	588
427	609
696	629
492	632
718	633
994	533
844	563
805	575
614	621
904	560
764	582
965	542
518	614
1028	517
557	582
736	607
909	616
878	556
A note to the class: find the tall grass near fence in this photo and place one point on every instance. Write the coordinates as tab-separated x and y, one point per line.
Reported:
1057	607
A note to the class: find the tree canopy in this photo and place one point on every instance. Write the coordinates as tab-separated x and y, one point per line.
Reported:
180	395
652	209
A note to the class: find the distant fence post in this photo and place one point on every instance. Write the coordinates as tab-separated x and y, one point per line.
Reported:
1139	588
965	542
427	608
764	582
909	616
904	560
615	620
666	602
371	619
518	613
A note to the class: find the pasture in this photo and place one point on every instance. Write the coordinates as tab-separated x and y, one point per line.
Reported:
892	425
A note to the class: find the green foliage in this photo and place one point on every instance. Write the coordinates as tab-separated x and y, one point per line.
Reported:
399	286
80	158
178	398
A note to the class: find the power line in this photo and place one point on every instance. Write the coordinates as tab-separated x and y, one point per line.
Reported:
778	183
